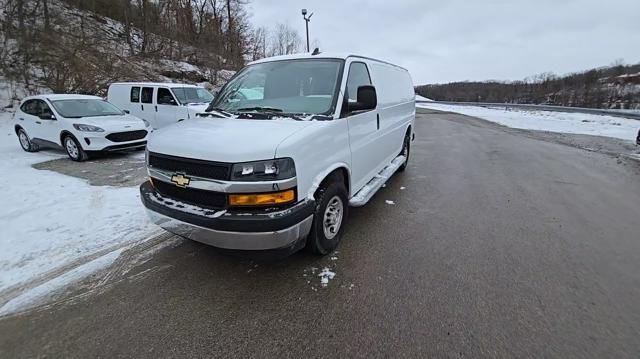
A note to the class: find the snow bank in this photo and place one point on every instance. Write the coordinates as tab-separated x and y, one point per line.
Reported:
51	221
564	122
420	98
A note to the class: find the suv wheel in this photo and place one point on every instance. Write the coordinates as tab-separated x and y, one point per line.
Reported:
329	217
74	150
406	151
25	141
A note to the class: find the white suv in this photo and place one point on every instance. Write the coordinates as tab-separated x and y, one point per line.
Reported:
78	123
279	168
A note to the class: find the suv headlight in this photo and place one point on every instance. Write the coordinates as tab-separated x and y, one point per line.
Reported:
268	170
87	128
146	123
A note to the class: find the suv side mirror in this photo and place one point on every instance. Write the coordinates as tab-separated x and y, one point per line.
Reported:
367	99
126	111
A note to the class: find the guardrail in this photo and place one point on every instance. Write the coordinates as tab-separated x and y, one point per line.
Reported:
593	111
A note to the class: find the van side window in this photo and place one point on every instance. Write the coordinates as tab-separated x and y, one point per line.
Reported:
147	95
358	76
164	97
135	94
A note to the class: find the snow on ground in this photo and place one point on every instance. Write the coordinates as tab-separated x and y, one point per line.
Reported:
420	98
564	122
41	292
51	221
325	276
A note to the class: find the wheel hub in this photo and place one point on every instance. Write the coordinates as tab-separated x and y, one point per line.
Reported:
333	215
72	149
24	141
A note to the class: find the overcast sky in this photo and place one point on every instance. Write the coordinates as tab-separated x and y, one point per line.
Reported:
455	40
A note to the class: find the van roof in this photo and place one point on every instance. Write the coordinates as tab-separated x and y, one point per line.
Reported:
341	56
167	84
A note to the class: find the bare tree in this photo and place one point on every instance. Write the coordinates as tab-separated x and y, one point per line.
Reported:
285	40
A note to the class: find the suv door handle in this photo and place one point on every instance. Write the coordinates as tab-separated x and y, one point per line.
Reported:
156	108
142	107
21	119
378	120
38	122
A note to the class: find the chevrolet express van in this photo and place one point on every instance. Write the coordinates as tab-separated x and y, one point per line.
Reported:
289	143
160	104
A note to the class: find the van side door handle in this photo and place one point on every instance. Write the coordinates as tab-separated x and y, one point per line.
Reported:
38	122
378	120
142	107
156	108
21	119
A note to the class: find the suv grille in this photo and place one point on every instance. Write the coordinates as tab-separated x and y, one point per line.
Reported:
191	167
207	199
126	136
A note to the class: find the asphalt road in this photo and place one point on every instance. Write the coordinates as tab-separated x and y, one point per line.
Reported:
501	244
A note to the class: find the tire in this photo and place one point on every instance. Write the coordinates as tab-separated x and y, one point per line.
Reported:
74	150
332	204
25	141
406	151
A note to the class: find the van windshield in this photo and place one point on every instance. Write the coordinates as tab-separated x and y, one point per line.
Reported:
187	95
76	108
307	86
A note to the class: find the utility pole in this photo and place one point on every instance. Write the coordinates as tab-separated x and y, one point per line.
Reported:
306	20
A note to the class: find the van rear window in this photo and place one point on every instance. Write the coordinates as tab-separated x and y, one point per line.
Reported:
135	94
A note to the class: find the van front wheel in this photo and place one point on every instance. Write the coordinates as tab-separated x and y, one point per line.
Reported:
329	218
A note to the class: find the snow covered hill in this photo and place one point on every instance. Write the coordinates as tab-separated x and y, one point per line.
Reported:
83	52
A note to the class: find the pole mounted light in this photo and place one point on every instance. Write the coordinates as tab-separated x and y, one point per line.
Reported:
306	20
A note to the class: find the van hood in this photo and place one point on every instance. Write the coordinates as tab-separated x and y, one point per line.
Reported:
197	107
115	123
224	139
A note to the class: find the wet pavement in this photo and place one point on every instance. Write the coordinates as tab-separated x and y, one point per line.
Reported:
499	243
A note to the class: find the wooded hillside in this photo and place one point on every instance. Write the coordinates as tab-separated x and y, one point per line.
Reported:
616	86
81	46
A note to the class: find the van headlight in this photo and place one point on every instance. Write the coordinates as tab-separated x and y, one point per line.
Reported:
146	123
87	128
268	170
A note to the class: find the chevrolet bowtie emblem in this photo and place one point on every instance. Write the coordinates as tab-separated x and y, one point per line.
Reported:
180	180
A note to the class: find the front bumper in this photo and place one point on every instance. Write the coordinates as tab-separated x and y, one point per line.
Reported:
230	229
97	142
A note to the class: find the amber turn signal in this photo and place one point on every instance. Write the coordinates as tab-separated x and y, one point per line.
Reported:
262	199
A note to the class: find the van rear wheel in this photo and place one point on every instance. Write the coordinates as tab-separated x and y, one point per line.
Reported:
329	217
406	151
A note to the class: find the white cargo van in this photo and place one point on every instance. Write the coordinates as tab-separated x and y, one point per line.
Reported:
161	104
288	144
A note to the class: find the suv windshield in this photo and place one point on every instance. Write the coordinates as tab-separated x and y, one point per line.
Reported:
188	95
85	108
291	86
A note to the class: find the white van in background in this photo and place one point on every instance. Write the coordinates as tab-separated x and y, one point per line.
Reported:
161	104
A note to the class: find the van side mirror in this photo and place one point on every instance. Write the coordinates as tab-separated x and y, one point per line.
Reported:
367	99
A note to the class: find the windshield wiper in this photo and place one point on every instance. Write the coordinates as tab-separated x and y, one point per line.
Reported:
260	109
